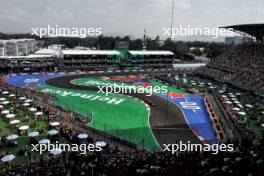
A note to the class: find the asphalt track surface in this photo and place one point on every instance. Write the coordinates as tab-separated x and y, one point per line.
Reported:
166	119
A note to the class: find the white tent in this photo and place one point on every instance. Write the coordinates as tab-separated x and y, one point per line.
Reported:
14	122
53	132
10	116
100	144
44	141
33	134
54	124
56	151
25	127
12	137
8	158
82	136
5	112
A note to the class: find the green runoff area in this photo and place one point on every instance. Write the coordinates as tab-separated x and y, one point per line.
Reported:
118	115
97	82
170	89
100	82
130	117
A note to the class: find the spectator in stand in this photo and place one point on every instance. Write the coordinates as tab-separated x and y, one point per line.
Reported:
246	160
243	65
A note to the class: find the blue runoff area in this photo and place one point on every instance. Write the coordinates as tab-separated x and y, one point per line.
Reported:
30	80
196	115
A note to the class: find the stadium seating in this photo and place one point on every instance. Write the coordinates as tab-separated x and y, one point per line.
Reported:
242	65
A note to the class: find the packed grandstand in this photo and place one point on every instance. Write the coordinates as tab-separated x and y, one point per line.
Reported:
242	65
52	96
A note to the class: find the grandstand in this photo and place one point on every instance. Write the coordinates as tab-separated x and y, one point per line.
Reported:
29	63
241	65
149	59
114	60
252	30
90	60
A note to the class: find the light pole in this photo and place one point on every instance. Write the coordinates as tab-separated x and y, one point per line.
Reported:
172	17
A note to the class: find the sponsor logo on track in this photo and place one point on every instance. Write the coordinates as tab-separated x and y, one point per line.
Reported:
31	80
121	88
90	97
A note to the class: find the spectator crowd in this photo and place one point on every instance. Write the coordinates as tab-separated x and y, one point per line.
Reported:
243	65
246	160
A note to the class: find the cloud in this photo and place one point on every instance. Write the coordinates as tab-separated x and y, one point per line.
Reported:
184	4
13	14
127	17
52	14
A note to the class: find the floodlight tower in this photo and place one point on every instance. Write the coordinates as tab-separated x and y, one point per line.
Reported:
145	40
172	18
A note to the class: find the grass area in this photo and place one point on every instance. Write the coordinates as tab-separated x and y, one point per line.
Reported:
254	115
5	128
97	82
170	89
22	141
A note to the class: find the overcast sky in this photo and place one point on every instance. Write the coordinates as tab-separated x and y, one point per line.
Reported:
126	17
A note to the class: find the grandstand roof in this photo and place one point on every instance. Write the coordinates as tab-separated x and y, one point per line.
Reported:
32	56
255	30
150	52
16	40
46	51
90	52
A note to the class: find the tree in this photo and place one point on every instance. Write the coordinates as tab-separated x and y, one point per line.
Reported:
197	52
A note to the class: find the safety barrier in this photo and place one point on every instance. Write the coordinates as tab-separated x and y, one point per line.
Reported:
216	124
